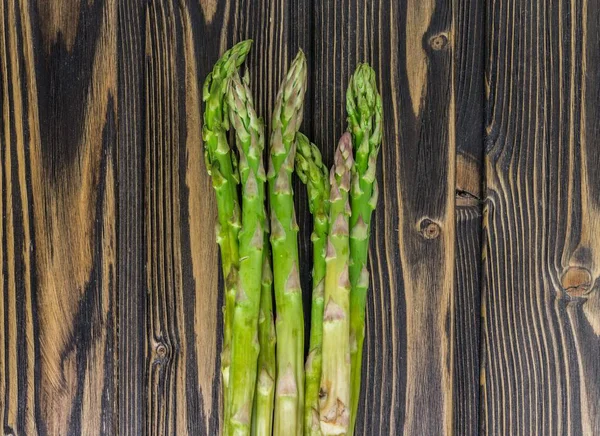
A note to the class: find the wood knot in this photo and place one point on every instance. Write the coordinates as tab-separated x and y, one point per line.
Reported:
439	41
429	229
161	350
576	281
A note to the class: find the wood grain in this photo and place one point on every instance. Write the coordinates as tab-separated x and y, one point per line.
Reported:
541	269
58	217
182	382
467	302
166	350
132	292
469	67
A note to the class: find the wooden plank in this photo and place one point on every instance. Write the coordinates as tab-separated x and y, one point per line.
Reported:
58	232
469	88
542	297
182	42
130	246
469	67
166	375
408	356
206	32
467	301
17	263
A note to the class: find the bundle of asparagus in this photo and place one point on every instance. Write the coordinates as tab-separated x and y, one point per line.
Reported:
267	388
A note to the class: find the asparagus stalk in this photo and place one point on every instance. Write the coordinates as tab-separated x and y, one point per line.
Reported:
313	173
262	414
245	347
335	377
220	166
365	112
287	116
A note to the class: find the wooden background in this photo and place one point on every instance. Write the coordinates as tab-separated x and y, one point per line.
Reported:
484	314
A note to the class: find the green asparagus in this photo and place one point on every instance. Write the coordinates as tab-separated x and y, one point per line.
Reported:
286	119
313	173
262	414
220	166
335	376
249	132
365	112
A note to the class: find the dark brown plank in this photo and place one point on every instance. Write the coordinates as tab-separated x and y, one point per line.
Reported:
130	246
469	67
469	88
467	301
206	32
58	231
408	353
17	264
542	293
182	42
177	401
166	375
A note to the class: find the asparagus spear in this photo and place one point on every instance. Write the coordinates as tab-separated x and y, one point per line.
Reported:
313	173
245	347
335	377
365	112
262	414
287	116
220	166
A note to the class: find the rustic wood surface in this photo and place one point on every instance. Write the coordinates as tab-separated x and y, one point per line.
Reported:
541	244
484	313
